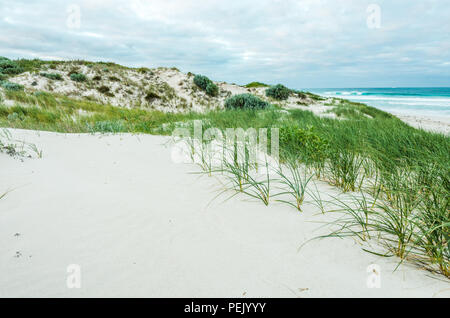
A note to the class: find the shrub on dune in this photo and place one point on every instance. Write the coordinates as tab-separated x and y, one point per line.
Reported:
256	85
11	86
201	81
52	76
207	85
245	101
77	77
212	89
278	92
9	67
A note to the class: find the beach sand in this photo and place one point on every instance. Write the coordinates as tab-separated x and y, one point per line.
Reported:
430	123
139	225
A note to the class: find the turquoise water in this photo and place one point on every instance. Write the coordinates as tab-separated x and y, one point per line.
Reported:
430	101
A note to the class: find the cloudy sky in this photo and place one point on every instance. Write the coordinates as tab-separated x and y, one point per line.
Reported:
301	43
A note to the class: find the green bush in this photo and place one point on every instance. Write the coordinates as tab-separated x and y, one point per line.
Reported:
151	96
245	101
105	90
207	85
2	58
144	70
52	76
11	86
201	81
77	77
3	77
256	84
114	79
9	67
278	92
212	89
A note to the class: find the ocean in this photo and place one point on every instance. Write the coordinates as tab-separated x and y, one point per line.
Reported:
428	101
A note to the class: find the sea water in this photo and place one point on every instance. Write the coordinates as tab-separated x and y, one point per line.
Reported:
428	101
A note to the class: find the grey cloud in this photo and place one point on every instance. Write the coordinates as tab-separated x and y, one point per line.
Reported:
307	43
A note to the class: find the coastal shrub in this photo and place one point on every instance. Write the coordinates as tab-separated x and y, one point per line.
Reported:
256	84
105	90
278	92
245	101
212	89
201	81
10	67
11	86
300	94
207	85
77	77
73	71
3	77
151	96
97	78
114	79
52	76
143	70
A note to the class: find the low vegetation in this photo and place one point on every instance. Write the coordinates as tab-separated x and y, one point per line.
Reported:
245	101
11	86
52	76
15	148
278	92
77	77
207	85
9	67
256	85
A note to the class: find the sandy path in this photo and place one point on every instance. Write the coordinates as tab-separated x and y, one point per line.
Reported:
140	225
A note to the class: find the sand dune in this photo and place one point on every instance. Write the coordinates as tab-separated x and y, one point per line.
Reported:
139	225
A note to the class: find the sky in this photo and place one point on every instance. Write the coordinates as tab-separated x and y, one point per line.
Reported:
300	43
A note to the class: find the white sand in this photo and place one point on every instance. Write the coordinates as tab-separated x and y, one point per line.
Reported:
430	123
140	225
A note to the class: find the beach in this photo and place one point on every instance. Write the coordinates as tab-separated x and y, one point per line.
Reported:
138	225
429	123
425	108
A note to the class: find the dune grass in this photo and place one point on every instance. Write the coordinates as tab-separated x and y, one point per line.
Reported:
399	176
16	148
295	182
